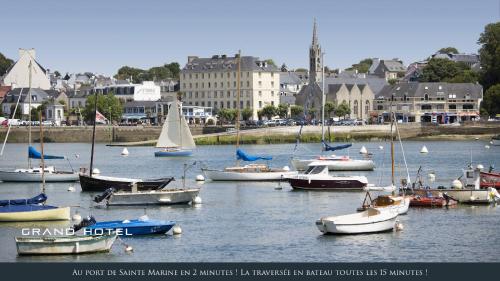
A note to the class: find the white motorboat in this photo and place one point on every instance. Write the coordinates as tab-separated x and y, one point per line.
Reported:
35	175
336	163
251	172
318	178
369	221
63	245
154	197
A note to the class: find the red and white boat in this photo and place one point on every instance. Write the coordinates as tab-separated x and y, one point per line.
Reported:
490	179
432	201
317	178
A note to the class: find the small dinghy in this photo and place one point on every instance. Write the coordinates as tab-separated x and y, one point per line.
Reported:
368	221
141	226
63	245
432	201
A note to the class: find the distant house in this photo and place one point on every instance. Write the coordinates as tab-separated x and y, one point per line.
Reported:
435	102
18	75
77	99
55	112
472	60
290	85
388	69
358	97
10	99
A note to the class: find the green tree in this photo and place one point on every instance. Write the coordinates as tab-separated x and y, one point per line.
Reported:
246	113
329	108
269	111
342	110
489	54
227	115
392	81
5	63
282	110
126	72
18	112
296	111
108	105
491	102
312	112
448	50
362	66
301	70
57	74
159	73
270	62
174	69
439	70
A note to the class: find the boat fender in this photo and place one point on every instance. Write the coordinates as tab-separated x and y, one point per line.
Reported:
399	226
197	200
177	230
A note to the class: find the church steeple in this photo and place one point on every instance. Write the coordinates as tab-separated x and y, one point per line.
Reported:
315	63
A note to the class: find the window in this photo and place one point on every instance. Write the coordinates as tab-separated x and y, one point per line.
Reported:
272	75
203	76
426	96
196	85
215	94
190	95
260	93
234	104
202	95
209	103
228	75
468	106
228	104
452	106
215	85
202	103
260	74
260	104
272	103
272	83
426	107
260	83
248	103
248	83
190	76
196	94
234	84
234	74
248	74
196	76
183	75
208	84
272	93
356	107
367	107
190	85
228	94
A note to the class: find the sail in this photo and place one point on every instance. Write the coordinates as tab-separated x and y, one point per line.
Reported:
175	131
34	154
327	147
241	155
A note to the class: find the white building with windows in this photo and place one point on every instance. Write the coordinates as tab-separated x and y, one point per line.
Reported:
147	91
212	82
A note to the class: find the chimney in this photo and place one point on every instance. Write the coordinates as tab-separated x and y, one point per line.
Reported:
191	58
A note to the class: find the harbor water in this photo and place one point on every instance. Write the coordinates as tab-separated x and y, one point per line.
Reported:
268	221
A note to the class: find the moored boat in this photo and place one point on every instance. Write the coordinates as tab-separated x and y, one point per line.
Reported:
101	183
398	204
369	221
61	245
152	197
431	201
251	172
35	175
141	226
32	212
317	178
490	179
336	163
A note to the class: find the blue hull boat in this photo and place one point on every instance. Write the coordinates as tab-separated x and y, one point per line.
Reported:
131	227
173	153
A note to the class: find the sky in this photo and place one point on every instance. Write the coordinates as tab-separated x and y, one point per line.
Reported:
101	36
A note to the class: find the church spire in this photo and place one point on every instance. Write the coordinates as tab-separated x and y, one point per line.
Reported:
315	37
315	61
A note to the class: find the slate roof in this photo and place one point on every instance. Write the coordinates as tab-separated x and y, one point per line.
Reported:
13	95
219	63
290	78
376	83
432	89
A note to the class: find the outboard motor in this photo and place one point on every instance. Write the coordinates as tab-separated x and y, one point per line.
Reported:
105	195
88	221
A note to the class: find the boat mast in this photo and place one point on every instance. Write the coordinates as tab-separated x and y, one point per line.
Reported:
42	156
29	111
93	135
322	100
392	146
238	104
179	110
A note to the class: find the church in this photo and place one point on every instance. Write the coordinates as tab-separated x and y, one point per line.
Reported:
356	91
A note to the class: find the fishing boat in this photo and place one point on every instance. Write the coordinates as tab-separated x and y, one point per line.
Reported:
33	209
495	140
142	226
34	174
467	190
317	178
252	172
490	179
91	182
369	221
64	245
175	137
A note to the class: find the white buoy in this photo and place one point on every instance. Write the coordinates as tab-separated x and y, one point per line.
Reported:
487	146
176	230
71	188
125	151
476	138
399	226
381	147
77	156
363	150
286	168
479	167
424	149
96	171
77	218
457	184
472	198
129	248
200	178
197	200
432	177
491	142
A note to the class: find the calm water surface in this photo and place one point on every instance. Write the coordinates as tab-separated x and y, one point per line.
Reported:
257	222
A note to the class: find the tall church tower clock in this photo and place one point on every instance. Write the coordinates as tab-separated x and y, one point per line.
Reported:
315	62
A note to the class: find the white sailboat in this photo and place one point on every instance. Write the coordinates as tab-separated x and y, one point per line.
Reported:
334	163
251	172
34	174
175	137
369	221
33	209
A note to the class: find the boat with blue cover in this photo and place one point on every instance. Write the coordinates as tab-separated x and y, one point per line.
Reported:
31	209
141	226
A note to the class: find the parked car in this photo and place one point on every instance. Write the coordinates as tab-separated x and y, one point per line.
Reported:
290	122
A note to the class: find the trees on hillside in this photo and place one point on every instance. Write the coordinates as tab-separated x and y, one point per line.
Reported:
156	73
445	70
448	50
490	67
362	66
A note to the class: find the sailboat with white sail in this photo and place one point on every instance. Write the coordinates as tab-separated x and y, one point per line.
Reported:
175	137
34	174
251	172
33	209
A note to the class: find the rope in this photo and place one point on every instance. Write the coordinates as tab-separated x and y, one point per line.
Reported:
403	152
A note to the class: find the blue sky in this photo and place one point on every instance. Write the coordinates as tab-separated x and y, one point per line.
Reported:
101	36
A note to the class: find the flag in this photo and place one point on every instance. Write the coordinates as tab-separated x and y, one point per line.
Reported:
99	118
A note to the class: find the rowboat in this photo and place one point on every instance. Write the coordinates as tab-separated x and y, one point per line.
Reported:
141	226
61	245
152	197
369	221
431	201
